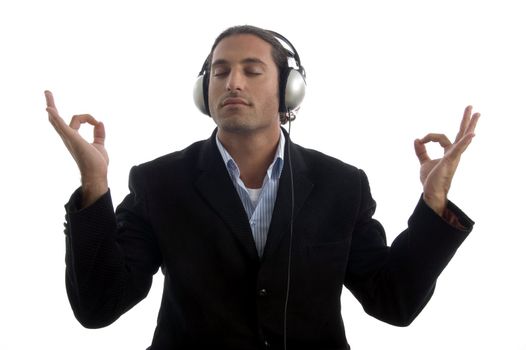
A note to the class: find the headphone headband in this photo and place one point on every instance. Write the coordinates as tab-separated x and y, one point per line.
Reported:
294	53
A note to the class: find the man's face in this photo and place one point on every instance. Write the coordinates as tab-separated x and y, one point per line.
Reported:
243	90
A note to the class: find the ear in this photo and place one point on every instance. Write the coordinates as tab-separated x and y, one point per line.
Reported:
293	88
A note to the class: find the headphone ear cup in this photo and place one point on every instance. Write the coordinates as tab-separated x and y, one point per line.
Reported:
294	85
200	91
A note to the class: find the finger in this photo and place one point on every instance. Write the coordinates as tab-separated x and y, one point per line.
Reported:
58	123
473	123
52	112
464	123
421	152
456	151
50	105
440	138
99	134
62	129
79	119
50	101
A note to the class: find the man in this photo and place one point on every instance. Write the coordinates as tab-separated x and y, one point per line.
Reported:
255	252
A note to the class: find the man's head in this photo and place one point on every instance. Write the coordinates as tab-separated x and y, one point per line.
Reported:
279	53
248	44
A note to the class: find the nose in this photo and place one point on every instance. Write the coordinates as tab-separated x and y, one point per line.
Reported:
235	81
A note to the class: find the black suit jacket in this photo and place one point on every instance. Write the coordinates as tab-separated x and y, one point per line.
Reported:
183	214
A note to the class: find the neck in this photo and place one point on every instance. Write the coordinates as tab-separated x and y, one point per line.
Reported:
253	153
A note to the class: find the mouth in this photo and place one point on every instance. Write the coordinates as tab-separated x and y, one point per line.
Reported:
234	101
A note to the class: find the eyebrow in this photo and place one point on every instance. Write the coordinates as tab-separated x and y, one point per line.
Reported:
249	60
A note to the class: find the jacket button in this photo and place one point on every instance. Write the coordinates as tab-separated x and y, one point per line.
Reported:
262	292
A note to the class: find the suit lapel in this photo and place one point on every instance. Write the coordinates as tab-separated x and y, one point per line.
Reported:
216	187
281	215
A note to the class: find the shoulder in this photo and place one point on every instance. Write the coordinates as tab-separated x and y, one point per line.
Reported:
176	163
321	164
334	180
188	154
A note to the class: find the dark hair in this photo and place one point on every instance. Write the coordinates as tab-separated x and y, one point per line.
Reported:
279	53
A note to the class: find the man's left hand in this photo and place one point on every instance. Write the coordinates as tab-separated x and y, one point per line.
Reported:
436	174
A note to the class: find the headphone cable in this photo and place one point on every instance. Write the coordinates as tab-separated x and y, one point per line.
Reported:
290	238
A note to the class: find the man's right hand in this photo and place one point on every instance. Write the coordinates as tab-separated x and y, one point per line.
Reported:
92	158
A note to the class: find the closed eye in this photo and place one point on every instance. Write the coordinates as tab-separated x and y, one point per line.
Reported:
252	70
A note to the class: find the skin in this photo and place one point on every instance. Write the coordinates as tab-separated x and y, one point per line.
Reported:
436	175
91	158
244	101
244	73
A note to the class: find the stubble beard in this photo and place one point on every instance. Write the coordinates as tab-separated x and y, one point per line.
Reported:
237	123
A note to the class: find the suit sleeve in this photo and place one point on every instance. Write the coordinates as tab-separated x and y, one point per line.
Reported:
394	283
110	257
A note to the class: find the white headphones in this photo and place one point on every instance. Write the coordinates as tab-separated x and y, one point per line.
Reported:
292	82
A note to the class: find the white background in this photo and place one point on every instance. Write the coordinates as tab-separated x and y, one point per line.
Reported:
380	74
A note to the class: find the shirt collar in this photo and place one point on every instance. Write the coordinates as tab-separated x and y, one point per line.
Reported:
273	171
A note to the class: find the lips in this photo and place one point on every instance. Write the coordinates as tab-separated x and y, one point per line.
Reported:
234	101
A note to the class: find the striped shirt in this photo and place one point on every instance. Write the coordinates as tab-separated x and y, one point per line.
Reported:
258	203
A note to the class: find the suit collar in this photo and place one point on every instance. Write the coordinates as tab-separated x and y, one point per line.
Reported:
295	183
217	189
215	186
